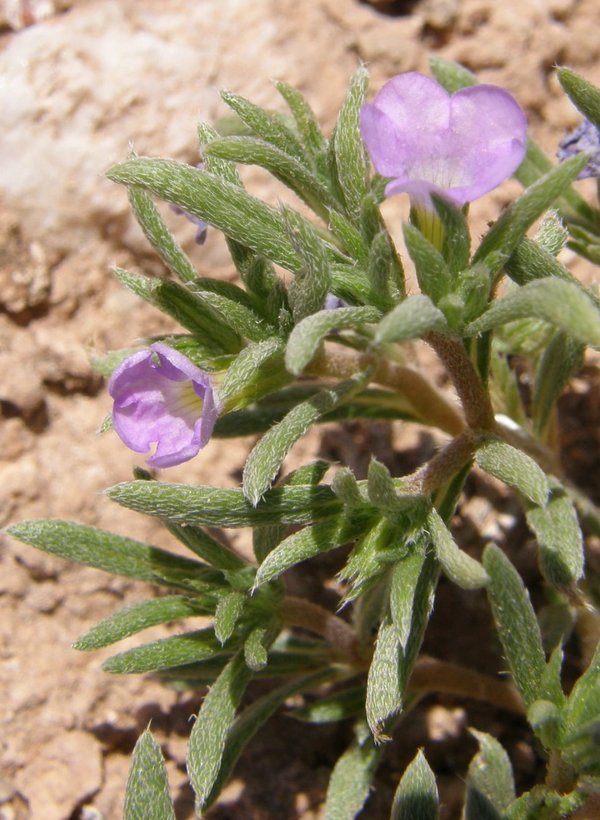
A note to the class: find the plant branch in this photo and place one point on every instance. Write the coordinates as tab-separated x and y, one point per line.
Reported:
471	392
316	619
431	406
432	675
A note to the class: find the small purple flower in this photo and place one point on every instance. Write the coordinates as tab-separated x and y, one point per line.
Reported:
458	146
586	137
333	302
201	225
162	398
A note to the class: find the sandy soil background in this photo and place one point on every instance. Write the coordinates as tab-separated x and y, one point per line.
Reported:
80	81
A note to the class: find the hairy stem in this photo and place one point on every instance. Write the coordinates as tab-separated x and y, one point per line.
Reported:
432	675
429	404
473	396
443	466
316	619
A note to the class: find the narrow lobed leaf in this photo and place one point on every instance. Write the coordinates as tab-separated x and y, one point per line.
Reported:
268	125
226	507
459	567
351	779
312	280
222	204
385	682
350	156
267	456
211	728
503	237
113	553
308	334
490	782
559	536
147	795
135	618
416	797
516	623
515	468
165	653
582	93
313	540
284	167
561	303
411	319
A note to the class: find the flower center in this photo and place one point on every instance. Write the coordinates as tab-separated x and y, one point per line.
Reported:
182	400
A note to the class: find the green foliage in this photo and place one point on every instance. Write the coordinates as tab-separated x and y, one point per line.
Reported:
351	778
266	458
212	726
411	319
141	616
281	363
416	797
147	795
516	623
490	782
582	93
515	468
561	547
349	151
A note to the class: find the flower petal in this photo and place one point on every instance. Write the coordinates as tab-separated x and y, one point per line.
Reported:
458	146
161	398
488	130
405	122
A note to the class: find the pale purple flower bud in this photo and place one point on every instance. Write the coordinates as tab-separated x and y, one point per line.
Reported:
201	225
161	398
586	137
458	146
333	302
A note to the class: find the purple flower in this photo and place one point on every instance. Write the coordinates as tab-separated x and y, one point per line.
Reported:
586	137
333	302
162	398
457	146
201	225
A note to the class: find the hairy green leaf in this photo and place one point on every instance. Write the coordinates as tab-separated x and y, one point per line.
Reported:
311	541
220	203
114	553
561	303
416	797
226	507
188	309
284	167
559	536
135	618
308	334
504	236
516	623
211	728
582	93
267	456
515	468
411	319
147	795
350	781
350	157
463	570
490	783
165	653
